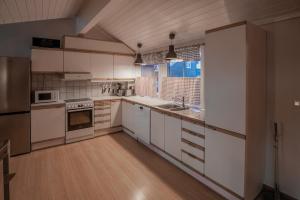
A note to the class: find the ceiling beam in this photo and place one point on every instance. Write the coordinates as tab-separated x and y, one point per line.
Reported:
88	15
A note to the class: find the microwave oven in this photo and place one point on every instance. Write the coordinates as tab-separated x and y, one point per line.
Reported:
46	96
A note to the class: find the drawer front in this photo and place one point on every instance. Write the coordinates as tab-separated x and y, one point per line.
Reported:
102	117
102	111
193	127
192	162
196	139
192	150
102	103
102	125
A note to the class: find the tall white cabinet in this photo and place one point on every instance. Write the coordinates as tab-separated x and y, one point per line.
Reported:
235	97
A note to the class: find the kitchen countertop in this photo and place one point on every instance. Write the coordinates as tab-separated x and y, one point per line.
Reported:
37	106
190	114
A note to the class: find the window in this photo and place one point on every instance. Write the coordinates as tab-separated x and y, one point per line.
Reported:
184	69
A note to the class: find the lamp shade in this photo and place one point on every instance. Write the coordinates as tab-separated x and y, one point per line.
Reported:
171	55
138	60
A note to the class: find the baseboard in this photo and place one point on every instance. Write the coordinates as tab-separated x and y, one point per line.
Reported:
47	143
271	190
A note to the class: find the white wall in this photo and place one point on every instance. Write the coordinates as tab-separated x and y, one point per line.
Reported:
283	89
15	39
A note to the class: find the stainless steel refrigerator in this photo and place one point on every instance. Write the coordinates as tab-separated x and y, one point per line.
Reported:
15	103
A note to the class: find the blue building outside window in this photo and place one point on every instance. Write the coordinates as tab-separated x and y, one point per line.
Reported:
184	69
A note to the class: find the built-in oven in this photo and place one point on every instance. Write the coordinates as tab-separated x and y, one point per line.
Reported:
79	120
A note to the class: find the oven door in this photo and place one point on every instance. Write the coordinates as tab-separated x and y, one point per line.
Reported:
79	119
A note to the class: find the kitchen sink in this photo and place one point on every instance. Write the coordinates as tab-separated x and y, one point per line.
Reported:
172	107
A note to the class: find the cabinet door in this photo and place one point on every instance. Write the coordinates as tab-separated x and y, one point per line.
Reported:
225	160
158	129
124	67
142	122
102	65
225	79
42	129
116	113
124	114
130	114
76	62
173	136
46	60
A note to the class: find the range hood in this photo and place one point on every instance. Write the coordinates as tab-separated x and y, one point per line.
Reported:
73	76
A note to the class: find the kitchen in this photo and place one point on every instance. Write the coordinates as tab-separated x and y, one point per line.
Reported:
135	112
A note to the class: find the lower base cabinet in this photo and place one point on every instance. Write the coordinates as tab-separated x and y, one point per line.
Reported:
158	129
47	124
225	160
142	122
173	136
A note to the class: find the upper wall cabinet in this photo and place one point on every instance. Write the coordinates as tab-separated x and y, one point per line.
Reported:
76	61
102	65
124	67
44	60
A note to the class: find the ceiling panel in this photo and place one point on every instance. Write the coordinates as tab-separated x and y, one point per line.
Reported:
150	22
13	11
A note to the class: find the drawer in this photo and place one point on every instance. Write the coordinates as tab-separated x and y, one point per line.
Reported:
193	137
193	162
101	107
102	117
102	125
102	111
193	127
192	150
102	103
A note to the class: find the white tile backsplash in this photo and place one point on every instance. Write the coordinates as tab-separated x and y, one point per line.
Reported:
69	89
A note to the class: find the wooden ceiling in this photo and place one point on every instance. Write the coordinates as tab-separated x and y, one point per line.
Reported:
150	22
13	11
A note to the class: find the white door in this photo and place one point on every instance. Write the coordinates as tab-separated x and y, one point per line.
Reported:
46	60
102	65
116	113
225	78
158	129
173	136
76	62
142	123
124	67
47	124
225	160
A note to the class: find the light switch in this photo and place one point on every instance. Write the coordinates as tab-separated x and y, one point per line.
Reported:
297	103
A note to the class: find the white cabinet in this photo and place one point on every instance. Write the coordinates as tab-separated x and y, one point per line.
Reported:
101	65
235	98
142	122
225	79
47	124
128	115
46	60
116	113
76	61
124	114
158	129
173	136
124	67
225	160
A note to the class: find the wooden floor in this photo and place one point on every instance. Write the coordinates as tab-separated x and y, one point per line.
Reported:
108	167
